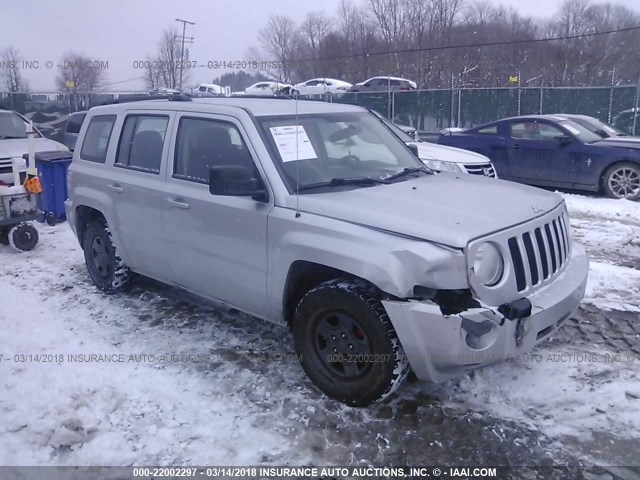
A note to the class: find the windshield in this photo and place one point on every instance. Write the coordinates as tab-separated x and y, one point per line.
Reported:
13	125
601	129
335	146
582	133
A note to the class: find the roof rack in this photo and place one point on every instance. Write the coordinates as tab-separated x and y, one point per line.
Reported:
142	98
271	97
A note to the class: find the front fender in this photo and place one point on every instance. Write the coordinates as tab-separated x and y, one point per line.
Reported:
393	263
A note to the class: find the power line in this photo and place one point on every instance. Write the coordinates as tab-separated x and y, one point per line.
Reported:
183	40
469	45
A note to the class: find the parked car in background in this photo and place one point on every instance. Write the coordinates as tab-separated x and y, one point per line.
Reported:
626	119
441	158
318	86
268	88
384	84
165	91
600	128
72	129
315	216
208	90
554	151
13	142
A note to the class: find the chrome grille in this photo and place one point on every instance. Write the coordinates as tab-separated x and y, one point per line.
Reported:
540	253
485	169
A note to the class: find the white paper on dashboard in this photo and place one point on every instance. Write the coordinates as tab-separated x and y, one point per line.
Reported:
285	138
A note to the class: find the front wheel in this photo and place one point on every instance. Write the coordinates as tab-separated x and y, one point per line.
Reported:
622	180
347	345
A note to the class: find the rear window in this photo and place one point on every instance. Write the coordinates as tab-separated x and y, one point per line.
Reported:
492	130
96	140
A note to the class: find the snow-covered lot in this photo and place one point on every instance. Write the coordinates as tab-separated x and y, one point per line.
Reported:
170	382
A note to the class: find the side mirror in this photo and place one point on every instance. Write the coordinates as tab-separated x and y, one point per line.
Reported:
563	139
414	149
235	181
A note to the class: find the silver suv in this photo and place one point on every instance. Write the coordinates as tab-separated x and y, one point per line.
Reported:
316	216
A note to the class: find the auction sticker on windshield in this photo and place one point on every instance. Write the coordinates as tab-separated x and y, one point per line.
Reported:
287	138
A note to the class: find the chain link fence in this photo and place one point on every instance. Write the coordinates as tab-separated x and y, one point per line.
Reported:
429	111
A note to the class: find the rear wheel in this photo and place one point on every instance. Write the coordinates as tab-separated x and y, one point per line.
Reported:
347	344
105	267
622	180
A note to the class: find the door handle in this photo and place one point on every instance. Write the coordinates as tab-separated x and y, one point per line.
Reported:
116	187
177	202
517	146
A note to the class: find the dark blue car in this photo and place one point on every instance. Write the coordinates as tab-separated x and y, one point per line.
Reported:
554	151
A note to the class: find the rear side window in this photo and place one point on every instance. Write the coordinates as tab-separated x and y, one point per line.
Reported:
96	140
492	130
141	142
75	122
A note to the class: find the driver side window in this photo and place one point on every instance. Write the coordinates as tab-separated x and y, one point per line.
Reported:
533	130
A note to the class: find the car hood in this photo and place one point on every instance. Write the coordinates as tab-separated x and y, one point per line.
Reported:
16	147
446	208
623	142
433	151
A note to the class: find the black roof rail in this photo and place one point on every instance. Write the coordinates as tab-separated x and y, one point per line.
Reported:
142	98
272	97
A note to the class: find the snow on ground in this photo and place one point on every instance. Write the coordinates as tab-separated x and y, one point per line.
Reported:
240	398
97	412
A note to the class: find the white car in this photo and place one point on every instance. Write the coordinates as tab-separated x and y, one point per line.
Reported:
267	88
444	159
208	90
318	86
13	142
383	84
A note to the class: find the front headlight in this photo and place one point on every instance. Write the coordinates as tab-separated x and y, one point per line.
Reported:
442	166
488	264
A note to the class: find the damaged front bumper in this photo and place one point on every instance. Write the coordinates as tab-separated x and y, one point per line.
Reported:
440	347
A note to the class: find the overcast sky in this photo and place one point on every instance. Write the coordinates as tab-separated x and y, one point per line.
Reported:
123	31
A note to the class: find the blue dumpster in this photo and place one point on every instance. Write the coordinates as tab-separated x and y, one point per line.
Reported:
52	172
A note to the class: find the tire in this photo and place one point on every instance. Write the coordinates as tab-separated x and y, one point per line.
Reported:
622	180
347	345
106	269
4	236
23	237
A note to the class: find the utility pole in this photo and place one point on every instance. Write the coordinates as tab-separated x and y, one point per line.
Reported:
183	39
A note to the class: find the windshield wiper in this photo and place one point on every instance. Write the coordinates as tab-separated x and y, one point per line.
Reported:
407	171
335	182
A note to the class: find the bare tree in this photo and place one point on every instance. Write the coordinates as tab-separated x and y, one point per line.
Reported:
152	75
278	43
379	37
168	60
11	75
79	73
